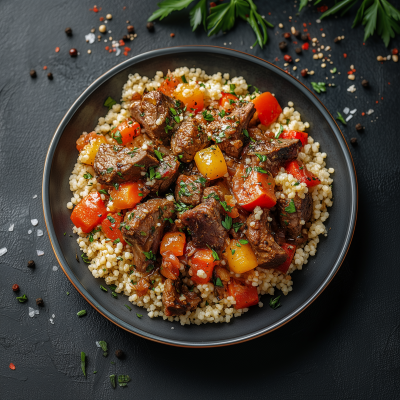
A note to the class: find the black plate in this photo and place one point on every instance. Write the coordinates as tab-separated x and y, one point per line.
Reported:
308	284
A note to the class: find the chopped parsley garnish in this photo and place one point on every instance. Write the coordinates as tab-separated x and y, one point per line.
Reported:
81	313
88	176
201	180
117	136
83	362
274	303
103	288
149	255
291	208
181	207
130	309
262	157
123	380
222	113
237	225
22	299
280	131
183	77
109	102
319	87
85	258
296	183
116	185
259	169
246	133
227	224
207	116
109	170
173	111
243	241
169	220
139	165
158	154
111	219
202	85
91	234
232	88
139	315
214	253
117	240
225	206
112	380
233	251
104	347
218	282
340	118
103	191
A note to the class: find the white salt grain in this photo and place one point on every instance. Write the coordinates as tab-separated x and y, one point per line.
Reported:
172	327
53	316
349	117
34	196
31	312
34	222
11	228
51	320
117	51
39	252
353	111
346	110
30	231
370	111
3	251
39	232
98	344
90	38
55	268
351	89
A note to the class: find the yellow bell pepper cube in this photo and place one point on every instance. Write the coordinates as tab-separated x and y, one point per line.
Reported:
211	163
241	257
89	152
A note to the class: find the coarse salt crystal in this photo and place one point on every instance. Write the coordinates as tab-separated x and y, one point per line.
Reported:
346	110
351	89
30	231
349	117
117	51
3	251
353	111
172	327
33	312
90	37
318	21
98	344
39	252
51	320
39	232
53	316
34	196
55	268
11	228
34	222
370	111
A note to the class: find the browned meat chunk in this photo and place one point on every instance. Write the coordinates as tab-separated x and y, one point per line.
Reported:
227	131
173	301
291	212
189	189
258	134
117	164
268	253
143	228
277	151
154	113
164	175
189	138
213	192
204	223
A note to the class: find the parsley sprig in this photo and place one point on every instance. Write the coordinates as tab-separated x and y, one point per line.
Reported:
222	17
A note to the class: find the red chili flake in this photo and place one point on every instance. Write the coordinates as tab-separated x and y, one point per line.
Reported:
110	51
363	44
363	114
306	46
276	59
57	49
349	72
354	70
107	48
45	67
313	50
305	30
114	50
213	4
294	42
381	98
309	23
125	53
395	52
377	102
101	19
344	55
305	25
127	49
124	7
269	13
121	43
12	366
172	34
322	9
388	83
95	9
321	29
287	58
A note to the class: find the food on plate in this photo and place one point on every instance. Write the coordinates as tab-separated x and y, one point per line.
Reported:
195	197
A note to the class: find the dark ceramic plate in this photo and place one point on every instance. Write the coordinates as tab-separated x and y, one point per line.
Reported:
308	284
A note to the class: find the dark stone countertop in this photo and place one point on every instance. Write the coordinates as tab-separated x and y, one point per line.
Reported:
346	345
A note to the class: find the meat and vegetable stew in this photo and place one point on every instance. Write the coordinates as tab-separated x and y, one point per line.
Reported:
197	195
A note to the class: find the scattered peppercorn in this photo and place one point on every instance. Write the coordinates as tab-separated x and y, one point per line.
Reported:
130	28
304	37
365	83
102	29
40	302
286	35
15	288
109	16
283	45
172	34
287	58
353	140
73	52
31	264
395	52
359	127
32	73
298	50
296	33
304	73
50	76
125	37
119	354
336	40
68	31
150	27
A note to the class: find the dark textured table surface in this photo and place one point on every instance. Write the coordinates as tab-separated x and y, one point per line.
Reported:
346	345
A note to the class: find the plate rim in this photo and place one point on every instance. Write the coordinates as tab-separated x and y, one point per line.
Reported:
217	50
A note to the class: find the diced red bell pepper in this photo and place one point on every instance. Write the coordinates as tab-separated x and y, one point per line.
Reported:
302	136
126	131
202	260
128	195
170	265
89	213
110	226
290	249
255	190
267	107
245	295
301	173
169	85
224	100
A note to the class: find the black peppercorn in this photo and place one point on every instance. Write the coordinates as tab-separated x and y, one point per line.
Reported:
130	28
365	83
125	38
15	287
68	31
40	302
31	264
304	37
50	76
73	52
150	27
336	40
283	45
298	50
286	35
32	73
353	140
119	354
359	127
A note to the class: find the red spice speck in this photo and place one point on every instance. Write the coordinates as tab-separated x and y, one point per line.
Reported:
294	42
349	72
45	67
363	44
395	51
57	49
276	59
381	98
124	7
213	4
114	50
344	55
95	9
110	51
125	53
322	9
388	83
377	102
121	43
127	48
12	366
107	48
102	19
172	34
321	29
363	114
305	30
305	46
305	25
269	13
314	51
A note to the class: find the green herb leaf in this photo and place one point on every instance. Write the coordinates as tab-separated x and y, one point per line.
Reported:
233	251
218	282
139	315
303	3
291	208
117	136
207	116
149	255
227	224
113	381
104	347
103	288
109	102
198	15
123	380
183	77
340	118
158	154
83	363
259	169
262	157
214	253
111	219
274	303
88	176
280	131
168	6
201	180
81	313
319	87
130	309
103	191
237	225
22	299
243	241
